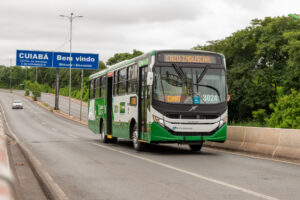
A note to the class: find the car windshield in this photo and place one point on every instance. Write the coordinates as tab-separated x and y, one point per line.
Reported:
17	101
189	85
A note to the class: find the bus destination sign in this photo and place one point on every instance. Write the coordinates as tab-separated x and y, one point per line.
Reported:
188	58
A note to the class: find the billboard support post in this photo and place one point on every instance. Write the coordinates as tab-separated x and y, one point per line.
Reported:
56	107
81	93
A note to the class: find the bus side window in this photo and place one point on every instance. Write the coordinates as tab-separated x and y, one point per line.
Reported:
97	86
103	87
132	76
115	82
100	86
92	89
122	81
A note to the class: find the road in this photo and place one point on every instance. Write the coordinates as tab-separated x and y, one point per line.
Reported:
63	104
84	168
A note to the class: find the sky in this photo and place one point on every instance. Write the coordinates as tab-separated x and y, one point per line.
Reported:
116	26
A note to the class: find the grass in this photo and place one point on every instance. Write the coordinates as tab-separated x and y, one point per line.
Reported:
45	104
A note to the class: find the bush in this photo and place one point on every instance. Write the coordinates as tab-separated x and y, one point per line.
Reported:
27	92
286	111
260	116
36	90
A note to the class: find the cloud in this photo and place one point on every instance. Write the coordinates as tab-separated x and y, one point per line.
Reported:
114	26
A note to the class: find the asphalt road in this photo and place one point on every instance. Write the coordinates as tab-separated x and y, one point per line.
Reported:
63	104
84	168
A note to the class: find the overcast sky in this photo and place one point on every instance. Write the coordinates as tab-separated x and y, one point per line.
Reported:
115	26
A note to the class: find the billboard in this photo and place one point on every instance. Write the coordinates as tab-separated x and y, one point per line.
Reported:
56	59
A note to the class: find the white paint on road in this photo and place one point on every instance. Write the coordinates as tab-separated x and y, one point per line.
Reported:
228	185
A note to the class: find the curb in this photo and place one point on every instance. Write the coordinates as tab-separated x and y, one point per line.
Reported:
51	189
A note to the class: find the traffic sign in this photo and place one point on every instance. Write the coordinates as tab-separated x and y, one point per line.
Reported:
57	59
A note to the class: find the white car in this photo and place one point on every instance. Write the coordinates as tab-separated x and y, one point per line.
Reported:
17	104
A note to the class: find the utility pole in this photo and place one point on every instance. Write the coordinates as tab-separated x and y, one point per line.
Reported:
71	17
25	78
56	107
81	93
10	74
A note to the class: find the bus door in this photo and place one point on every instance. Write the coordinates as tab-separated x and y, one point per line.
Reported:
143	101
109	106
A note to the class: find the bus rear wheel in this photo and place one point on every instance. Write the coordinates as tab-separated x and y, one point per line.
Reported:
196	147
137	145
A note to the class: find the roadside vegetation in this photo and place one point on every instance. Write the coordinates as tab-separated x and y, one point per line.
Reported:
263	73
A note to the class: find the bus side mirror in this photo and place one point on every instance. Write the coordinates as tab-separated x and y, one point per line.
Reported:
149	78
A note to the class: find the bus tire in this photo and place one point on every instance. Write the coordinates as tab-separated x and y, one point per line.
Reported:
196	147
137	145
104	138
113	140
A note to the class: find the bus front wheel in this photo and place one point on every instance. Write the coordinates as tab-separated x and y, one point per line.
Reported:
196	147
137	145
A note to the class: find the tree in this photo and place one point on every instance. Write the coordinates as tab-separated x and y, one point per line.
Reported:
286	111
260	58
118	57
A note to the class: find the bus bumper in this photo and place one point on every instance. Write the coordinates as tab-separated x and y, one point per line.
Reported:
161	135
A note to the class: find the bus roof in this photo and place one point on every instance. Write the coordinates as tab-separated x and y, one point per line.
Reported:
141	57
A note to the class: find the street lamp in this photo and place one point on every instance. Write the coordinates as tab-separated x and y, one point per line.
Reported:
71	18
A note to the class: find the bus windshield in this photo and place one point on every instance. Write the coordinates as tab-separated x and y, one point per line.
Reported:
189	85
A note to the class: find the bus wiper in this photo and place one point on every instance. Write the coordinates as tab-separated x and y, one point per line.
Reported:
213	88
202	74
180	73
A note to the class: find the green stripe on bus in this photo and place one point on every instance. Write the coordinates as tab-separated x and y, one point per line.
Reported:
143	62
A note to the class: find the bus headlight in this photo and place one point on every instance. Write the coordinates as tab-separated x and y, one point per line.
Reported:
158	120
222	122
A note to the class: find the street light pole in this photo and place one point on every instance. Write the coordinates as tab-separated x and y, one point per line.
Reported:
71	17
10	74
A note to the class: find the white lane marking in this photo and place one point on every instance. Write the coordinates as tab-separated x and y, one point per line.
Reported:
252	156
250	192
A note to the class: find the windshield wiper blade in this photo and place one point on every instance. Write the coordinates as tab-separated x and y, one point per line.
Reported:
213	88
202	74
179	72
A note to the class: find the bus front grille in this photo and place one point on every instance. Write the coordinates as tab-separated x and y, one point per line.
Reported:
191	116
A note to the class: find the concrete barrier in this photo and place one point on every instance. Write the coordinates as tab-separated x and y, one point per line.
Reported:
275	142
6	177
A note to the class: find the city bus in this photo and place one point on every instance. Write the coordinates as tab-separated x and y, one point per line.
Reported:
165	96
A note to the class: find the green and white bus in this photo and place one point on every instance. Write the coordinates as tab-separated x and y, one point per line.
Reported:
165	96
